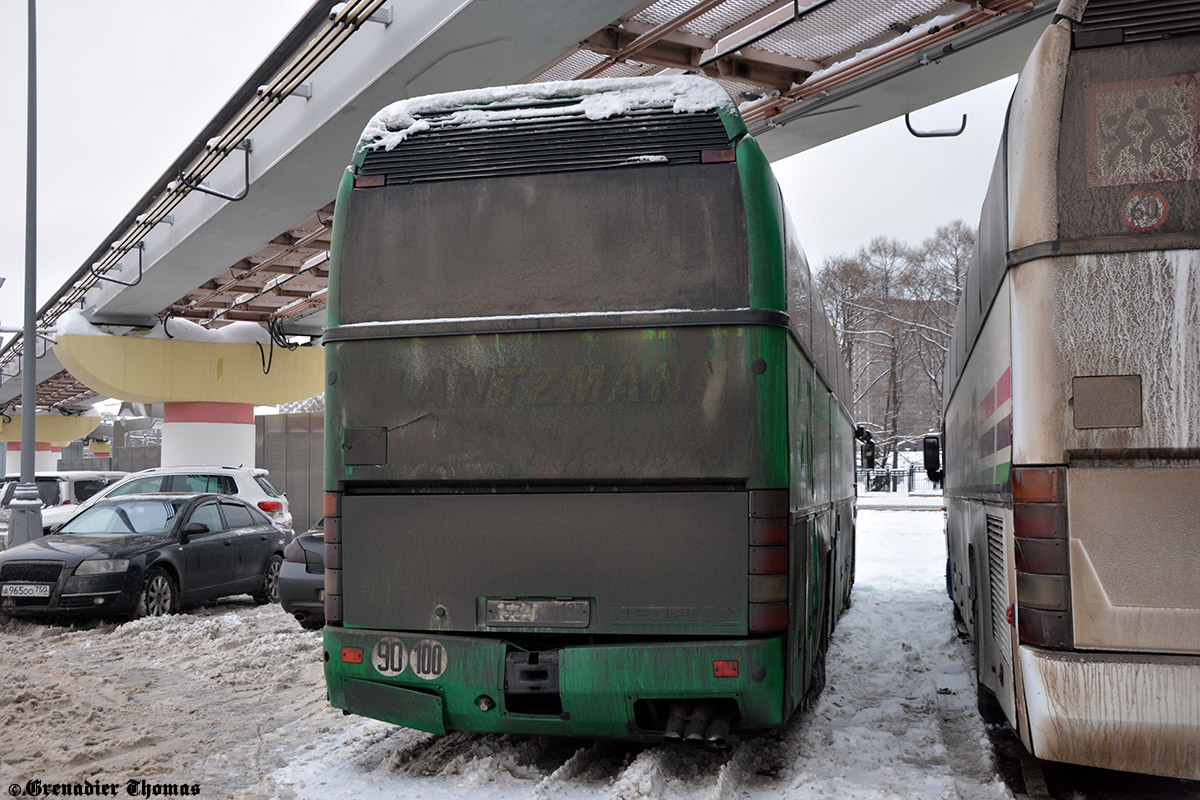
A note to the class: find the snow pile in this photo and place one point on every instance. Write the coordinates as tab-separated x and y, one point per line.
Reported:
74	323
188	331
897	718
933	501
594	99
15	411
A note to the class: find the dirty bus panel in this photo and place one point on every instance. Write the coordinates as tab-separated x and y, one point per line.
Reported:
664	406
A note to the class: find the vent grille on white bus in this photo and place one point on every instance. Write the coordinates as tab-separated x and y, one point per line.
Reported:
566	143
1108	22
997	583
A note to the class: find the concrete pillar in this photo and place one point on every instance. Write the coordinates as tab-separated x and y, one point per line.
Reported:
208	433
45	457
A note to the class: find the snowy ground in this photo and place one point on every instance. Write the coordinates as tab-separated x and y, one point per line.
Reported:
231	698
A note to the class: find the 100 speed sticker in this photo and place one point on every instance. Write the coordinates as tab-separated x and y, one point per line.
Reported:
427	658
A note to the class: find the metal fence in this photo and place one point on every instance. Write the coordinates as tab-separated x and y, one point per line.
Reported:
909	479
123	459
292	448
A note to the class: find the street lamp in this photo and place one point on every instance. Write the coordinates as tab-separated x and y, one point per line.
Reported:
26	503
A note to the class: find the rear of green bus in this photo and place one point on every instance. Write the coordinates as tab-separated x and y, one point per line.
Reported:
558	437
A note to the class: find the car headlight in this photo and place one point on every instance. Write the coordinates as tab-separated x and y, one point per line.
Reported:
102	566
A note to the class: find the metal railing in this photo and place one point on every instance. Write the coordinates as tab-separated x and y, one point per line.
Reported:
906	479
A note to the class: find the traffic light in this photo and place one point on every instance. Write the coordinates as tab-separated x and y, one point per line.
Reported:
868	455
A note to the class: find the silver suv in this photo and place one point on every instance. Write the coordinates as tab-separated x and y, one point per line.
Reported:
249	484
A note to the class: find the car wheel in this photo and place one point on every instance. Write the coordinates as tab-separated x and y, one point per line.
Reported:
269	592
158	595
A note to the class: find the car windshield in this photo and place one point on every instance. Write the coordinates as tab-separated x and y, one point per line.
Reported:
131	516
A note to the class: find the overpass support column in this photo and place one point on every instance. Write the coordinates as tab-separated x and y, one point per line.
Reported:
208	388
52	429
208	433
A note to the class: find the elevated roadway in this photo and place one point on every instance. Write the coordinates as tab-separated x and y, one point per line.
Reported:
238	227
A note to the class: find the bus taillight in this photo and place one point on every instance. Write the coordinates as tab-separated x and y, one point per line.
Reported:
768	616
769	560
333	558
1042	559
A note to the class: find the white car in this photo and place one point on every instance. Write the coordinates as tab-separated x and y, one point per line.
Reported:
249	484
65	490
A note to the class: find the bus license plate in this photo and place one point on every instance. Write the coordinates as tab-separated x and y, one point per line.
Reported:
25	590
538	613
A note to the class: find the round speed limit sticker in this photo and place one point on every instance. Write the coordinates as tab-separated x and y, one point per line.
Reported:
389	656
428	659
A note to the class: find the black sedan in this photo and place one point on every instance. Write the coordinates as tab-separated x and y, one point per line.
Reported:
302	578
144	555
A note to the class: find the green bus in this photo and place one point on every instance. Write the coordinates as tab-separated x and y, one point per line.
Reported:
589	460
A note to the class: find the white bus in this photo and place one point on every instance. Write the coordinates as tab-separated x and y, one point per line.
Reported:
1072	419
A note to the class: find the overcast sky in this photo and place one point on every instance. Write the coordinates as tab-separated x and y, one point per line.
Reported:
125	85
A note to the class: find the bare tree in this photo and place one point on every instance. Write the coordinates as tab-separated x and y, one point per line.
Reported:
845	291
944	258
892	308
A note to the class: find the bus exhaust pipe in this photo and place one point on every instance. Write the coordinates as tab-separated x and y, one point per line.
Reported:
717	735
676	722
697	726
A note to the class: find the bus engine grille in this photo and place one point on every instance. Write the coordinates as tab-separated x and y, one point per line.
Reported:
1109	22
567	143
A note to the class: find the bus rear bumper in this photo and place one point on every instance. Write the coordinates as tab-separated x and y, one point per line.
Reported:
1137	713
439	683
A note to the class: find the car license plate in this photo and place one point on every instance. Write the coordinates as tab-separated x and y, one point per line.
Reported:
25	590
537	613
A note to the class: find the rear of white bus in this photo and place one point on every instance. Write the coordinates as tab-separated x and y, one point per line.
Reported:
1104	284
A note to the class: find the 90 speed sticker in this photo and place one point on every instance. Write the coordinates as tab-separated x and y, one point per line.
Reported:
428	658
389	657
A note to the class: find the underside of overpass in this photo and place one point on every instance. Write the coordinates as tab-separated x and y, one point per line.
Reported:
238	227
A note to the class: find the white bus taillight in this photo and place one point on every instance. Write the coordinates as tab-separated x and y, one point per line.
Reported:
1042	559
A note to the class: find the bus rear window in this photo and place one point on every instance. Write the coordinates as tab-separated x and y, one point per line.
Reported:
666	237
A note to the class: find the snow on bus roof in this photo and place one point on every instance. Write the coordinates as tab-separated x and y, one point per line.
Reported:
597	99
